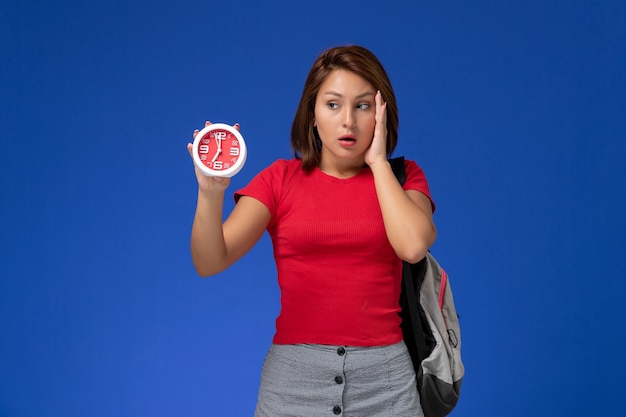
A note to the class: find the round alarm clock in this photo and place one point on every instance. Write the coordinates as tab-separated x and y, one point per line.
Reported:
219	150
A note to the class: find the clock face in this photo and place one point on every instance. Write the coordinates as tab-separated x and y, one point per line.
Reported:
219	150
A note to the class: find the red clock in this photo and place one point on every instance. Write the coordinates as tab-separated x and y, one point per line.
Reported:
219	150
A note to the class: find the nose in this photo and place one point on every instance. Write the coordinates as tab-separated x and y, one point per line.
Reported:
348	118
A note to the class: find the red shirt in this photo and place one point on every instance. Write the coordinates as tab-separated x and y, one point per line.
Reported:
338	274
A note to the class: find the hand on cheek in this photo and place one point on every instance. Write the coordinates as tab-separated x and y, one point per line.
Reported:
377	151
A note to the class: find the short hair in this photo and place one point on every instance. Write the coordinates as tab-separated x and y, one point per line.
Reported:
353	58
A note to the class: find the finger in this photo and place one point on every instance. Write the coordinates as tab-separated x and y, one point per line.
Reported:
383	114
206	123
381	108
237	126
190	149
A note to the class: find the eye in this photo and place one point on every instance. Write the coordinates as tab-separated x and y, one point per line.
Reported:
363	106
333	105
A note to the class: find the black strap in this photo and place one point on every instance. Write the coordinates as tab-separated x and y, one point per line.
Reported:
397	165
412	278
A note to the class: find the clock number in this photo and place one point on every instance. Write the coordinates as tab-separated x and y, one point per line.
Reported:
203	149
220	135
234	151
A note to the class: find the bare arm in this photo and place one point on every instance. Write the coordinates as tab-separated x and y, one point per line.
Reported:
407	215
216	246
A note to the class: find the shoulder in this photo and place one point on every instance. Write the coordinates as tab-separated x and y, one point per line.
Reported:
283	166
416	180
412	169
271	180
415	176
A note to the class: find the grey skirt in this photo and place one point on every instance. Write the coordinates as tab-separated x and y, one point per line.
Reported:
321	380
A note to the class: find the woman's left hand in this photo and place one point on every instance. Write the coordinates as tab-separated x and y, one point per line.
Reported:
377	152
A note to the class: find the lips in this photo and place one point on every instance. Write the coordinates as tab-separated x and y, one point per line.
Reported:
347	140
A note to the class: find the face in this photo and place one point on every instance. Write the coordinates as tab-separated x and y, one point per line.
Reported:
344	116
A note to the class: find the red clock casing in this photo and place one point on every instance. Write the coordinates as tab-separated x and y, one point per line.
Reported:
219	150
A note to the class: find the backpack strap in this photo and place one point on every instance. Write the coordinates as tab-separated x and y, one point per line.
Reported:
397	165
412	278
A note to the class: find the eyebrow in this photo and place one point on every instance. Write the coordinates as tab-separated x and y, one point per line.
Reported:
334	93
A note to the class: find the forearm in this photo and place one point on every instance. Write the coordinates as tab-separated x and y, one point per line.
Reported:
208	247
408	225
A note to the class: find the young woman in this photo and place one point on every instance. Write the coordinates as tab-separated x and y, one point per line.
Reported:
341	225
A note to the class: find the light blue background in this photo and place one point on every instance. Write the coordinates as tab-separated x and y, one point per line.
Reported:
515	110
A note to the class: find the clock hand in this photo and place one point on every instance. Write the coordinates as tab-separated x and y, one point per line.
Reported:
218	151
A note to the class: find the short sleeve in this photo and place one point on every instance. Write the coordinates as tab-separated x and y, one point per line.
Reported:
266	186
416	180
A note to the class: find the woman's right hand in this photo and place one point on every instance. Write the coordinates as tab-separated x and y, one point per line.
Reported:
208	183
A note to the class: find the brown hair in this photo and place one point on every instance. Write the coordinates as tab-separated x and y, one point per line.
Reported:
358	60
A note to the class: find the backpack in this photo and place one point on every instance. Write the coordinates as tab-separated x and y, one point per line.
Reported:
430	326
